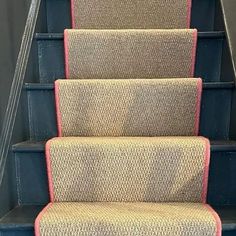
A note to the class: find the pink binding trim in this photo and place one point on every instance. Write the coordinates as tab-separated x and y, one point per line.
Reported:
58	112
72	8
38	219
217	220
66	53
198	106
206	170
194	49
189	8
49	170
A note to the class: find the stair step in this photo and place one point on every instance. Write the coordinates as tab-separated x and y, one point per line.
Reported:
125	54
208	61
170	106
33	184
59	17
150	14
128	218
138	169
20	220
215	111
60	36
206	85
39	146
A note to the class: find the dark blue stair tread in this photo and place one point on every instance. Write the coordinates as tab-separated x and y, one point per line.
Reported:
223	145
209	85
228	216
33	146
23	217
60	36
29	146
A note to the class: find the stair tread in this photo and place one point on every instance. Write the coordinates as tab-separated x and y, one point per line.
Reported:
130	14
23	217
228	216
207	85
60	36
38	146
31	146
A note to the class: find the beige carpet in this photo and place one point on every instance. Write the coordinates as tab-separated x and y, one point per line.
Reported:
128	169
131	219
135	107
128	161
138	14
125	54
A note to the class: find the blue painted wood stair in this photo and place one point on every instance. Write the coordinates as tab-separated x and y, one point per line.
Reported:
216	116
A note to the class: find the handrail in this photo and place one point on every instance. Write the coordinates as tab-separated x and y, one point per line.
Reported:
228	9
17	84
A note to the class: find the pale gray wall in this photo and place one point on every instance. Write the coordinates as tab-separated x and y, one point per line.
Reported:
13	14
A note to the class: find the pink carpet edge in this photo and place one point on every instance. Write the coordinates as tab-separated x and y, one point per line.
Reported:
194	52
189	9
38	219
217	220
198	107
206	169
72	10
49	170
66	50
58	112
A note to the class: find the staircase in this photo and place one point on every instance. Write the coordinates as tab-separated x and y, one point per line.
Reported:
132	107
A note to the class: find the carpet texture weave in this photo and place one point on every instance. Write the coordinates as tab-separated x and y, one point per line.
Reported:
135	107
128	169
125	54
128	160
138	14
133	219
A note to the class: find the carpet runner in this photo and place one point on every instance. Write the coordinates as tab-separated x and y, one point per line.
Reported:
125	54
131	169
134	107
128	159
128	186
133	219
112	14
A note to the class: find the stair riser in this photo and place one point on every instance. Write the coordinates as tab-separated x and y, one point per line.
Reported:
214	123
208	63
58	14
229	233
33	186
215	113
26	232
32	182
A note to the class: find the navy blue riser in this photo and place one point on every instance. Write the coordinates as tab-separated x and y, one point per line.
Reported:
204	13
29	231
229	233
208	62
32	185
214	122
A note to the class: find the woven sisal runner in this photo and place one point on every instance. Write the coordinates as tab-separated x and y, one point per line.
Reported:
125	54
135	14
